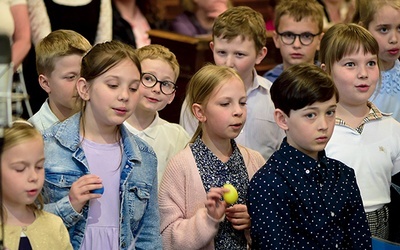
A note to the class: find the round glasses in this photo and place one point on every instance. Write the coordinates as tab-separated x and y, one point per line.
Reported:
306	38
149	80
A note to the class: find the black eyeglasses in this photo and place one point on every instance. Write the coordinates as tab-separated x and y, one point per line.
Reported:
306	38
149	80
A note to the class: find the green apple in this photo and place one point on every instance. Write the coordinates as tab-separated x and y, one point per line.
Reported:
231	196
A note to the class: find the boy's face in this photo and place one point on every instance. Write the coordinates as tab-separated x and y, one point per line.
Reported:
385	27
22	172
310	128
152	99
356	76
238	54
297	52
60	84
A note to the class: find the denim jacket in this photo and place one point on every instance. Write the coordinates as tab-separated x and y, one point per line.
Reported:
66	162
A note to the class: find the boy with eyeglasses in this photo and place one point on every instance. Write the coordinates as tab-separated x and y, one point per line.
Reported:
298	32
160	69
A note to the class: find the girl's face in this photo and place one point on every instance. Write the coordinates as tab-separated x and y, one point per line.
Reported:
112	97
385	27
225	112
356	76
22	172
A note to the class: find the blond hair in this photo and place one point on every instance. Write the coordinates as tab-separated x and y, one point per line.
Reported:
57	44
344	39
299	10
159	52
18	133
202	85
241	21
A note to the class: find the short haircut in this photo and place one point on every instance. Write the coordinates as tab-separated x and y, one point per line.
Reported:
57	44
344	39
302	85
299	10
159	52
241	21
366	10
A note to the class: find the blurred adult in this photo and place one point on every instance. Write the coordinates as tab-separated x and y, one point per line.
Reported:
14	22
198	16
129	24
337	11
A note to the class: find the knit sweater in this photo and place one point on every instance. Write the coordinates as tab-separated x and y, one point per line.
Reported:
185	223
46	232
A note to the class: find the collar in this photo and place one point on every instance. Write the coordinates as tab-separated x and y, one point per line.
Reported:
301	161
260	82
374	114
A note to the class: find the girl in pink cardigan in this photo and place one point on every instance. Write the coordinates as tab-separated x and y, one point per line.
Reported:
193	212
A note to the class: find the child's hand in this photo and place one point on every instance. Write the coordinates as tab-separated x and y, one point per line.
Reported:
215	206
238	216
80	193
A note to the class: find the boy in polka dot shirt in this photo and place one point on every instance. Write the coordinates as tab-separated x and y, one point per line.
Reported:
301	199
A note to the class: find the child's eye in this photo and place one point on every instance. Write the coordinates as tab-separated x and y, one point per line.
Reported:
112	86
240	54
20	169
383	30
331	112
310	116
243	103
224	104
371	63
221	53
349	64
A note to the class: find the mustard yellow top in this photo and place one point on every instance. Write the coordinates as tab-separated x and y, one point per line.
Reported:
46	232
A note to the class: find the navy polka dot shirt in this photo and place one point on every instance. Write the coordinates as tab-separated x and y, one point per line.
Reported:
296	202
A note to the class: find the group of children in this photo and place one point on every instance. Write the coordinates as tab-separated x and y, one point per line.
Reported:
310	155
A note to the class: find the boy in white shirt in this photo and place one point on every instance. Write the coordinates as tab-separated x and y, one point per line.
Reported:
239	38
58	62
160	70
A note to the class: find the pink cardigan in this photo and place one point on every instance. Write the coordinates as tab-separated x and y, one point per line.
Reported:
184	220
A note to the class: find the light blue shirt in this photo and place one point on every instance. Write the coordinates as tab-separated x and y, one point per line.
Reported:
387	94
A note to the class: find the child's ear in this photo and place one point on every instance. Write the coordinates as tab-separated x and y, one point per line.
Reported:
261	54
44	83
198	112
319	37
281	119
171	98
275	37
212	45
323	67
83	89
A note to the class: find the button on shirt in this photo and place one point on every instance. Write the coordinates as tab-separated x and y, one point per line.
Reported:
296	202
